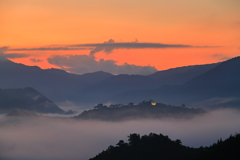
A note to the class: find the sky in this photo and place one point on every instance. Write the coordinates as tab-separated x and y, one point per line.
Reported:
128	36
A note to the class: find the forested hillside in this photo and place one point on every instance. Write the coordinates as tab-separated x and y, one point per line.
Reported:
160	147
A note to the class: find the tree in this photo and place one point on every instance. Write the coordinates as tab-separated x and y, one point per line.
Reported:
100	106
121	143
178	141
133	139
131	104
183	105
143	102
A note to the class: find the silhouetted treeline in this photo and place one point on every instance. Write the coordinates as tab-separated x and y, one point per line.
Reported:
228	149
145	109
160	147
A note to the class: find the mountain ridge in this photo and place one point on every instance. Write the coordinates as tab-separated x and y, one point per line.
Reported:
223	81
27	99
92	88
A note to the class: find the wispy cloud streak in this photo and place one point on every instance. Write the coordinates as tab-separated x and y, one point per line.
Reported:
48	49
109	46
4	55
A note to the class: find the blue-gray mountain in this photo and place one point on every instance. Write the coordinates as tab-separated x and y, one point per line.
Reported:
26	99
219	86
56	84
90	88
212	84
121	83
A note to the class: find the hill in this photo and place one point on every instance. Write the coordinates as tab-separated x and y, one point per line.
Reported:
180	75
91	88
143	110
116	85
223	80
154	146
14	75
219	86
26	99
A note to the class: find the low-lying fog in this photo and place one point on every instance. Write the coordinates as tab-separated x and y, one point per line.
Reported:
65	139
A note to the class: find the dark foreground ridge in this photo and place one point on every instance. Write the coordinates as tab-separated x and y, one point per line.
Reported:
160	147
145	109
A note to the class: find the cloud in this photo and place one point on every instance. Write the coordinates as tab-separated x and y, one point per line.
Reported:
50	49
36	60
106	49
83	63
110	45
4	56
61	139
221	57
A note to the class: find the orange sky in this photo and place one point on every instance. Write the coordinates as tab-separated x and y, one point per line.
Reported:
44	23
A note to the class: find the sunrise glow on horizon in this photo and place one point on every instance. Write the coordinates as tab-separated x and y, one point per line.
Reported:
83	34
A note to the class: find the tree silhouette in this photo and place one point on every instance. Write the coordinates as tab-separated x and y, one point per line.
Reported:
160	147
134	139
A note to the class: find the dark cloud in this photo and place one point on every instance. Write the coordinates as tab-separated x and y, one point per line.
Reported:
106	49
4	55
16	55
36	60
83	63
221	57
49	49
110	45
3	49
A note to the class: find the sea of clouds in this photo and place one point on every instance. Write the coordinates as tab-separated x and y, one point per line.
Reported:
23	138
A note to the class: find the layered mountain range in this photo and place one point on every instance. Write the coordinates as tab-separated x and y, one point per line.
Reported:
209	85
219	86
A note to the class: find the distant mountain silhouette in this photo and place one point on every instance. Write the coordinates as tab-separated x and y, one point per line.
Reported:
174	86
221	82
26	99
14	75
180	75
121	83
224	77
154	146
117	84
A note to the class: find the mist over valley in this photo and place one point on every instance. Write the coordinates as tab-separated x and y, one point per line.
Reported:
30	138
196	104
119	80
